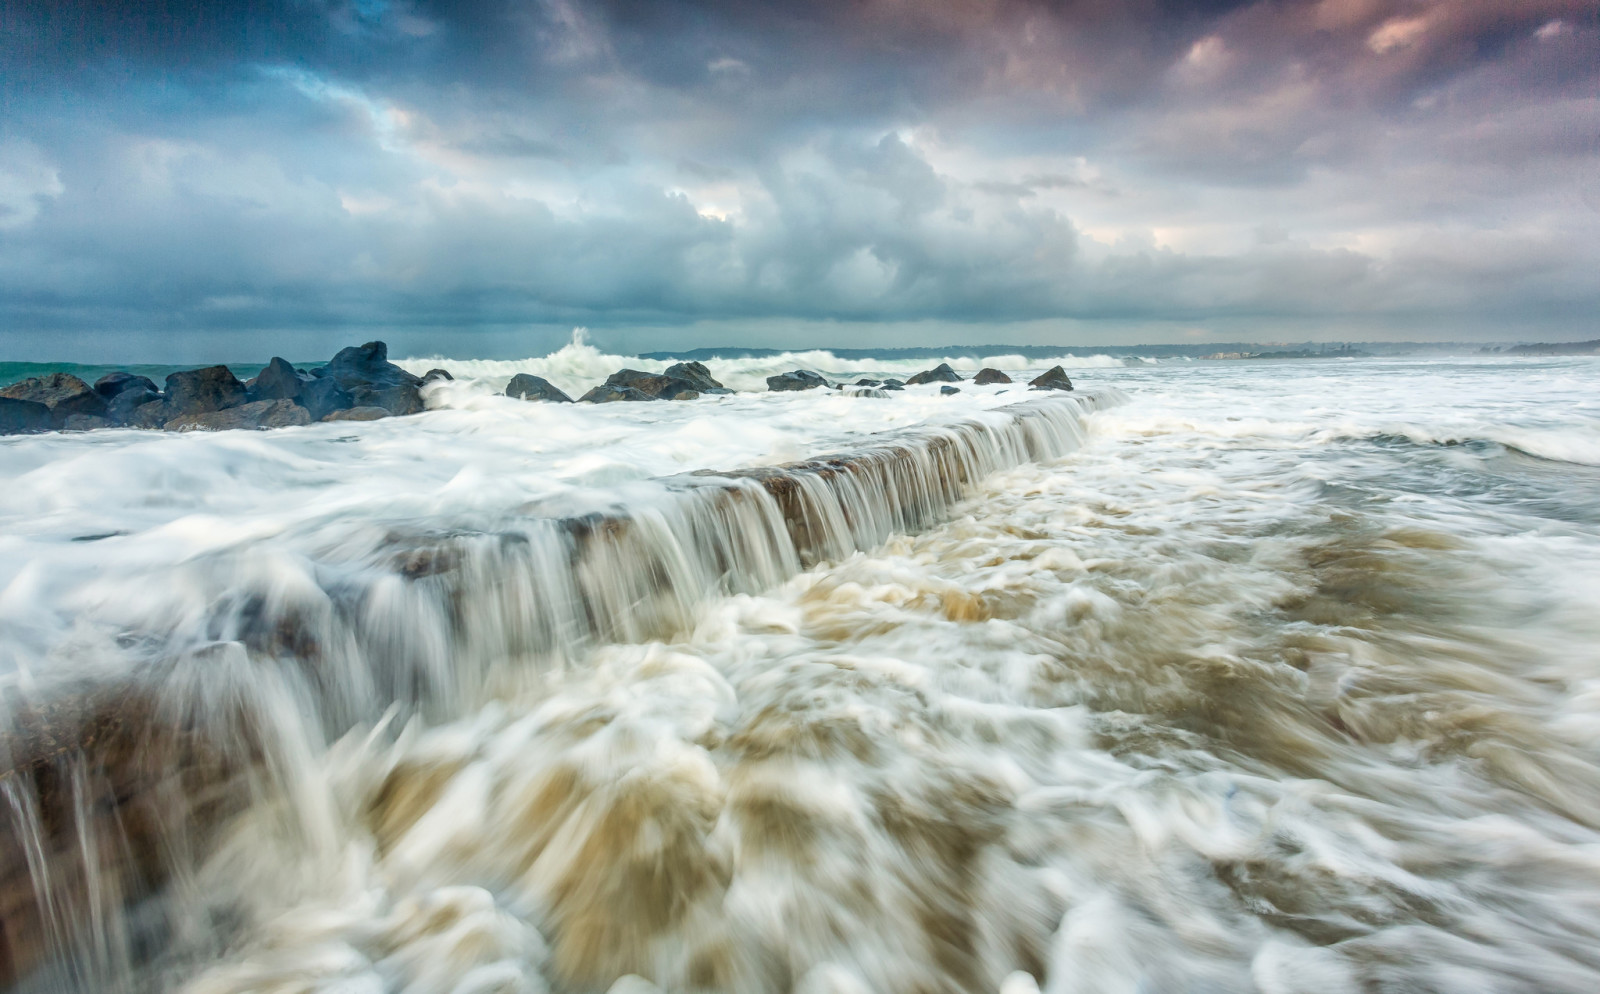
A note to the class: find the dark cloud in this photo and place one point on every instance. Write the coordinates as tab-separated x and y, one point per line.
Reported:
455	165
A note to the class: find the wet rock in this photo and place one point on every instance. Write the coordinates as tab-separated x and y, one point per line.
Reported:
526	386
84	422
892	384
132	393
203	391
656	386
321	396
686	395
358	414
1054	378
796	379
698	376
605	393
864	382
113	385
436	374
256	414
151	414
948	390
62	393
941	373
371	380
278	381
988	375
866	392
18	416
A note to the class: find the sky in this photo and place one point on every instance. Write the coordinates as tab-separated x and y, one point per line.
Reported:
480	177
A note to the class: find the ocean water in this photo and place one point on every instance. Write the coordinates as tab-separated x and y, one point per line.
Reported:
1224	676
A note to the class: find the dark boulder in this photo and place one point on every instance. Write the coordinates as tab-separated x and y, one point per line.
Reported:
941	373
526	386
436	374
63	393
947	390
656	386
893	385
113	385
279	413
697	375
17	416
151	414
371	380
797	379
606	393
359	414
988	375
864	382
278	381
321	396
1054	378
203	391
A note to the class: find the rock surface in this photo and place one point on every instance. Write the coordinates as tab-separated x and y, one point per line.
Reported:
1054	378
17	416
893	384
796	379
366	374
115	384
62	393
947	390
279	413
656	386
203	391
278	381
606	393
526	386
941	373
988	375
698	376
358	414
323	396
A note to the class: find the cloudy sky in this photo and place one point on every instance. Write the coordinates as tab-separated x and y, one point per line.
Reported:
483	176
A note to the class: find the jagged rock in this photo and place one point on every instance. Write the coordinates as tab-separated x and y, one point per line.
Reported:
894	384
85	422
371	380
116	384
797	379
947	390
697	375
203	391
63	393
436	374
358	414
17	416
1054	378
321	396
606	393
941	373
988	375
656	386
526	386
256	414
278	381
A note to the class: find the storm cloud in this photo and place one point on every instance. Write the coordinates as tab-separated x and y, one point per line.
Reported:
1196	167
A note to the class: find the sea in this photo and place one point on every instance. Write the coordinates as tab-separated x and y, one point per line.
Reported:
1208	676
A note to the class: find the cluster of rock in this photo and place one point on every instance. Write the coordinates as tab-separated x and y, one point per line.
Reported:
683	381
359	384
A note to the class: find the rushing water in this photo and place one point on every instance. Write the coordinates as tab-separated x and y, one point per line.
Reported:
1276	676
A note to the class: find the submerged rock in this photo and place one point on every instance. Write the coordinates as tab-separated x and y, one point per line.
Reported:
203	391
892	384
1054	378
278	381
366	374
948	390
988	375
606	393
697	376
358	414
61	393
795	379
17	416
941	373
526	386
279	413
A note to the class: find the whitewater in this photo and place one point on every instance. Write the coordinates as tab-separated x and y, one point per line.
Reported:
1208	676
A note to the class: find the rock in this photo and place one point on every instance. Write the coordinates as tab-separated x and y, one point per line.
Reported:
855	391
279	413
203	391
1054	378
656	386
279	381
114	385
321	396
436	374
941	373
63	393
947	390
120	410
687	395
894	384
527	386
864	382
605	393
151	414
987	375
371	380
797	379
696	374
358	414
18	416
85	422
